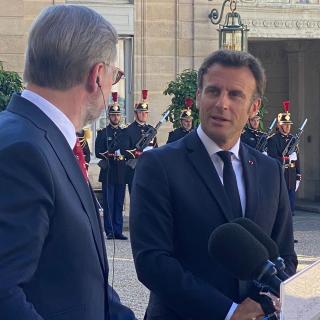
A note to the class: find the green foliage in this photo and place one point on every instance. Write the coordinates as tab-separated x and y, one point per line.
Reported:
10	82
184	86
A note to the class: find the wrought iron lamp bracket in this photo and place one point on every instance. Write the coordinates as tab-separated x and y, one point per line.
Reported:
214	14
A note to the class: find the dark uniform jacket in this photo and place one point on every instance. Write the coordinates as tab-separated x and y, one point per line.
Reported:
177	134
110	140
171	221
276	145
134	132
251	136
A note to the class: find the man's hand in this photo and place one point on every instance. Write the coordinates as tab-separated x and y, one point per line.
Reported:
248	310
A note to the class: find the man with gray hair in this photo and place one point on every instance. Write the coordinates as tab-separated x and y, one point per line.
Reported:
53	261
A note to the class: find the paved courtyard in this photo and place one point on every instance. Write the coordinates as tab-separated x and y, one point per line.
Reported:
135	295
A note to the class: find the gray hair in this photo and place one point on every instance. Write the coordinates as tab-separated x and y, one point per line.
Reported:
65	42
237	59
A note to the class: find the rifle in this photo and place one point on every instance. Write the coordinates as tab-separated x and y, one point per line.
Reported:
294	141
145	139
263	140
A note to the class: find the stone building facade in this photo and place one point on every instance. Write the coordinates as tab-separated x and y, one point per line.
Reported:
159	39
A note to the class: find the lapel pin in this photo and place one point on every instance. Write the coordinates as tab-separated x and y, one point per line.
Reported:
250	162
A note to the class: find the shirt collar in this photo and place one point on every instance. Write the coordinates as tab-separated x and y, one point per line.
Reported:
141	124
54	114
212	148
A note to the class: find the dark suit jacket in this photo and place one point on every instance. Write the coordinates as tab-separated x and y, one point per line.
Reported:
176	202
52	254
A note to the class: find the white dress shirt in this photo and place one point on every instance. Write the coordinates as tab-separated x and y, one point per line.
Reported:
54	114
212	149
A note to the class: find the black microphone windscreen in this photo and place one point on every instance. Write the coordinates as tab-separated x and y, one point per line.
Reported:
260	235
237	250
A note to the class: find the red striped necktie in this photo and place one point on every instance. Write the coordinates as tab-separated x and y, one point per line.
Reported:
78	152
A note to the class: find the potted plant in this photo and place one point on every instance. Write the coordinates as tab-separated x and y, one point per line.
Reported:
10	82
182	88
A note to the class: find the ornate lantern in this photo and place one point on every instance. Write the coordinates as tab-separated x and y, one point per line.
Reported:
233	33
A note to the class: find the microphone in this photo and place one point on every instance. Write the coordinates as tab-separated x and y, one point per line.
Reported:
268	243
243	256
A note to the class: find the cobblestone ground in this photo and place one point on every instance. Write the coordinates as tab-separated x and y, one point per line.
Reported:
135	295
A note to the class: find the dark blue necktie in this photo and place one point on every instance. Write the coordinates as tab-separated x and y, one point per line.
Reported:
230	183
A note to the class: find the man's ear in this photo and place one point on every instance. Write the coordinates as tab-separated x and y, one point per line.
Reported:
198	93
255	107
95	77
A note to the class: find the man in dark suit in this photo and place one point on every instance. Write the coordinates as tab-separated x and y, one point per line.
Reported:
52	255
180	195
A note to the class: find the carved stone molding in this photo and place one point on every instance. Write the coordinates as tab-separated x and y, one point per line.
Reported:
279	2
282	24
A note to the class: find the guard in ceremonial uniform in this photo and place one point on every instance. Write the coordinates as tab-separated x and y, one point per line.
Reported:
111	144
251	134
276	146
135	131
83	136
185	123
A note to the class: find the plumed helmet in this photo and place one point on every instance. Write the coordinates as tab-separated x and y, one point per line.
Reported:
256	116
114	108
143	105
186	113
285	117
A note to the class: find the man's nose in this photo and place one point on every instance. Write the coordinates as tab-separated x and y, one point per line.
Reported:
222	101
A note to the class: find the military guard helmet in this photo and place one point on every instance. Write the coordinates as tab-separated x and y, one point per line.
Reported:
114	108
256	116
187	113
143	105
285	117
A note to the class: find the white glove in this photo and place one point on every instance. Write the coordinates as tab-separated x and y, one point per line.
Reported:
265	153
293	157
297	184
147	148
118	153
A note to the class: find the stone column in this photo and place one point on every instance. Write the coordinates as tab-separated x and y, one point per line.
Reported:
300	70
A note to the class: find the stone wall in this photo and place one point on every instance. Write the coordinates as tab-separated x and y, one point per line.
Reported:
172	35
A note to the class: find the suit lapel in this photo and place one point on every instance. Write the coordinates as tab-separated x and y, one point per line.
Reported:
74	173
204	167
250	171
61	148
